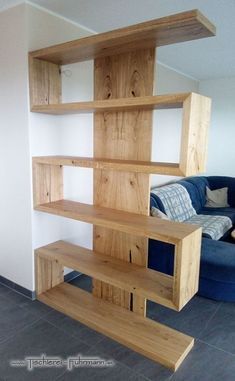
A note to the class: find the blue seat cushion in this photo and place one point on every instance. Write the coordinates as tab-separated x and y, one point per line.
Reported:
218	260
227	212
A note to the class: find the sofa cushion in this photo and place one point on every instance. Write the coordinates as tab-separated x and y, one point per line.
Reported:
200	183
193	193
176	201
228	212
216	182
213	226
217	198
218	260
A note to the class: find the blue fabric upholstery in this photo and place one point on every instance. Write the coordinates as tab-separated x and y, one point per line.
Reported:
176	201
217	266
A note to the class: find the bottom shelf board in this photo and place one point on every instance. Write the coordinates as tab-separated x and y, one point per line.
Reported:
156	341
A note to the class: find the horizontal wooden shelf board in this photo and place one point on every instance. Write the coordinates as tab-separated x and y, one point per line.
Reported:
154	340
157	102
111	164
136	224
186	26
139	280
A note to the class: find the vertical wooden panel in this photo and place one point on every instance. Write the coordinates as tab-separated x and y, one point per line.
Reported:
122	135
47	183
45	82
194	139
48	274
186	268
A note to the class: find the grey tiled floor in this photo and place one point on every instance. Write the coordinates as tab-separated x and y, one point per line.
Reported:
30	329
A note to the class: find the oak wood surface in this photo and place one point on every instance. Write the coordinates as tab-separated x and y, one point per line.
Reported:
156	341
44	82
123	135
156	102
194	137
47	183
112	164
132	223
139	280
185	26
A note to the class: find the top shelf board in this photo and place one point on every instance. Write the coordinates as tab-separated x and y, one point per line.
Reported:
186	26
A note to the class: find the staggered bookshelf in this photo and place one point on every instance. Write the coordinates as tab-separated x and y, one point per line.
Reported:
124	65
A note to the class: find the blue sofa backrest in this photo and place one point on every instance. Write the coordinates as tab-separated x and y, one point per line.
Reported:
216	182
195	186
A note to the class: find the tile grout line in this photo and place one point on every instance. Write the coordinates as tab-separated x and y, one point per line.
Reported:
209	320
20	331
219	349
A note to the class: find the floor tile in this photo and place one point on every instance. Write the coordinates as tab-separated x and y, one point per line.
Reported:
35	307
133	360
83	281
220	331
117	372
13	319
4	290
191	320
74	328
205	363
40	338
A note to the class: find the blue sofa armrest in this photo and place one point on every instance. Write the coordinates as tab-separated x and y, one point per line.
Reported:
216	182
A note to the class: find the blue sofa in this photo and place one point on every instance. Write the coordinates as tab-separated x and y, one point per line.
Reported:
217	266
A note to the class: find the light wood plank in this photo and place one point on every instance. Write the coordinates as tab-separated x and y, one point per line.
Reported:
194	138
136	224
45	82
47	183
139	280
151	339
111	164
123	135
172	29
156	102
49	273
186	269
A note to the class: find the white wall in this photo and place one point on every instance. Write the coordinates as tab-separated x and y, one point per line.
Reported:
68	135
221	148
15	203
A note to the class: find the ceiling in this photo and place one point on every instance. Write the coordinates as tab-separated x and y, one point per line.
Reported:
202	59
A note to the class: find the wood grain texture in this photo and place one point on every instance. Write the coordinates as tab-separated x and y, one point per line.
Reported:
151	339
45	82
186	269
48	274
186	26
156	102
194	139
139	280
111	164
47	183
122	135
131	223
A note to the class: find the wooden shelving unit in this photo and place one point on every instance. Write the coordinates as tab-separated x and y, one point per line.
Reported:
139	280
154	340
110	164
123	86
